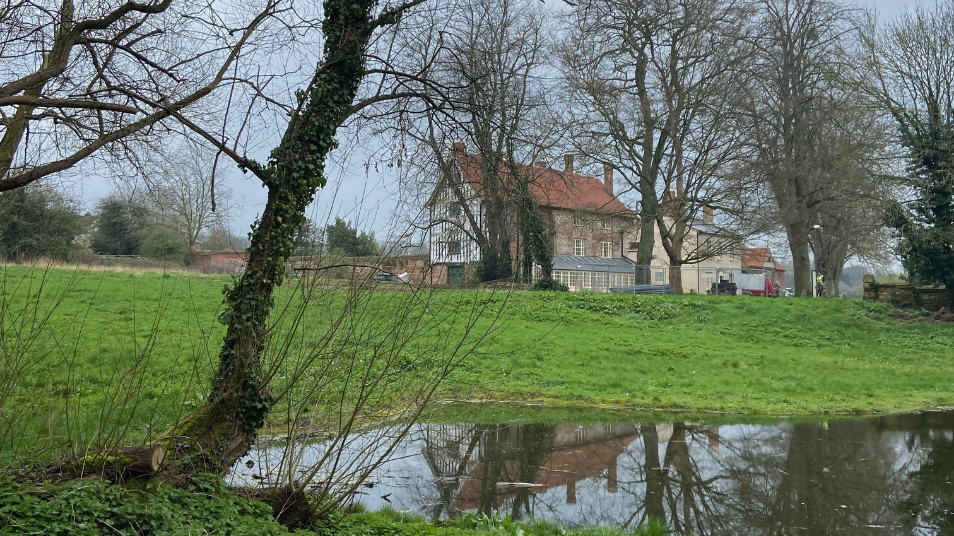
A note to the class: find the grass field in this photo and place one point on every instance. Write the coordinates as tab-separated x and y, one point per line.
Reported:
746	354
74	335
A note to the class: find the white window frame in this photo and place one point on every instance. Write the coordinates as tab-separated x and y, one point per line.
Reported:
579	247
607	224
577	219
607	249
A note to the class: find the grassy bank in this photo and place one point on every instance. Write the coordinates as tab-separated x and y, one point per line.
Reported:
95	507
697	353
745	354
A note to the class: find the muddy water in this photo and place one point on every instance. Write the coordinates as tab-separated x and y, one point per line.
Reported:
886	475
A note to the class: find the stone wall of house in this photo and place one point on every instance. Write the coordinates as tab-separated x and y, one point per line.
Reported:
904	294
568	226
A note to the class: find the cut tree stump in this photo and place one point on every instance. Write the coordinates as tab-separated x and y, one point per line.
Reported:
141	460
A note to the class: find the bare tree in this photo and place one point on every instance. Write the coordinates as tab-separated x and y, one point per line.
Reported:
185	194
652	87
853	188
355	75
82	81
492	57
795	93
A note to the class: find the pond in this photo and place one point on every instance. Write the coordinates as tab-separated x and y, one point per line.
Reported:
882	475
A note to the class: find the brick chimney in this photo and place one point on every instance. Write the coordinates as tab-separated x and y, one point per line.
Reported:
568	163
608	178
708	215
459	148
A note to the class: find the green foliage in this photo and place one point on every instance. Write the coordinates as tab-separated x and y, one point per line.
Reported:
345	240
97	507
118	227
550	284
94	507
497	263
926	228
387	522
37	222
309	239
537	247
652	307
164	243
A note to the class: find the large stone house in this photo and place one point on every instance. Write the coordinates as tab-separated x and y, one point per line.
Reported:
594	235
589	226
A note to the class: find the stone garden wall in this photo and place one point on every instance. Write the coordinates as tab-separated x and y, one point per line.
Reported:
904	294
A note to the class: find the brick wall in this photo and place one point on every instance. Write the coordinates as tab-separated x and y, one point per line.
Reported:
903	294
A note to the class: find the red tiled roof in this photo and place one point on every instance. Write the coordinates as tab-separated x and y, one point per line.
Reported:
551	188
756	257
561	467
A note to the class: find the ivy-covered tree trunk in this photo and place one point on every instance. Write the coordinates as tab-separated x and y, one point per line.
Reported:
224	428
537	248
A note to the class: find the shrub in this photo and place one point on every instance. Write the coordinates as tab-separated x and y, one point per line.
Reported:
163	243
551	285
97	507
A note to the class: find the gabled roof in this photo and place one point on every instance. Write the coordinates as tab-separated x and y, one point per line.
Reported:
756	258
549	187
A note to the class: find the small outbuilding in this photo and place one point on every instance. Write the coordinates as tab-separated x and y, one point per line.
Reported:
598	274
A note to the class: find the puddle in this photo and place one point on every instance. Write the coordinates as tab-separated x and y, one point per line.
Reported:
884	475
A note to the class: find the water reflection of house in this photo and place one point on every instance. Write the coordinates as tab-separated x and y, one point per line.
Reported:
469	461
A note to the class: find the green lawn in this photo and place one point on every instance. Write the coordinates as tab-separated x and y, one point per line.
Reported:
746	354
696	353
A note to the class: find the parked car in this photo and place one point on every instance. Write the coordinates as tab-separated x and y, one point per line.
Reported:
385	277
789	293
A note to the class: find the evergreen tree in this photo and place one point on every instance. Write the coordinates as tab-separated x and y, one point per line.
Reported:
345	240
118	227
164	243
37	222
926	226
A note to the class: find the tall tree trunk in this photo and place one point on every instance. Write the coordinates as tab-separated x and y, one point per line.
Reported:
647	242
675	275
798	243
655	473
223	429
673	239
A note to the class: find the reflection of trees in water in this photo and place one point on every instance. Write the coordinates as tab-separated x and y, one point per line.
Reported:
847	478
674	488
826	481
930	488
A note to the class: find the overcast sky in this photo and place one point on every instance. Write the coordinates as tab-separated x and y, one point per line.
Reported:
368	197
